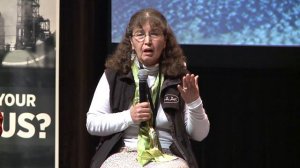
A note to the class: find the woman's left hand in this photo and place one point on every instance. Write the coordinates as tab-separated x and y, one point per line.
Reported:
189	90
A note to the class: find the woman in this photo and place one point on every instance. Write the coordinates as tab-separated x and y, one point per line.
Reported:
154	133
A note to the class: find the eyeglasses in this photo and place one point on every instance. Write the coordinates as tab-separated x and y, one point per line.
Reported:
140	35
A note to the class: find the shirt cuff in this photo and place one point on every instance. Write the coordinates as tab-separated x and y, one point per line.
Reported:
128	120
195	104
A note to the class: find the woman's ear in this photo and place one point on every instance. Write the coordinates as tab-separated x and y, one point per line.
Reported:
132	47
165	42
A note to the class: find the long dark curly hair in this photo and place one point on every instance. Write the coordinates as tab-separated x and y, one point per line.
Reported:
172	59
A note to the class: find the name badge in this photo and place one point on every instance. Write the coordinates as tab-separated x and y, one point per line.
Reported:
171	98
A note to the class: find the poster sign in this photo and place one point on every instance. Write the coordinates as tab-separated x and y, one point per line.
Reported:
29	83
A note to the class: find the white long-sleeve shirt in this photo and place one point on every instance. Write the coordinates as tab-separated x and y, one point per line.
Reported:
102	122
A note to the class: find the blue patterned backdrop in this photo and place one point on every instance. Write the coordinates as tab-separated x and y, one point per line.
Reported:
221	22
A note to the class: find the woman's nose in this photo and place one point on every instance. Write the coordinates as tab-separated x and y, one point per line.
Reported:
148	39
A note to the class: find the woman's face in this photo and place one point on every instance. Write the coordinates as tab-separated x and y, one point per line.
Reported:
148	44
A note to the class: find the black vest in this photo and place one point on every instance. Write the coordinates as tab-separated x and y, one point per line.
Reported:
122	88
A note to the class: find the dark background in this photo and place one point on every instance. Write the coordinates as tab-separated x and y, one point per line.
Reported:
251	94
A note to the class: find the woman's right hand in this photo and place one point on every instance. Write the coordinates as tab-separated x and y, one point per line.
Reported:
140	112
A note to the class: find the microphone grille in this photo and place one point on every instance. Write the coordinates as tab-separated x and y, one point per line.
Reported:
142	74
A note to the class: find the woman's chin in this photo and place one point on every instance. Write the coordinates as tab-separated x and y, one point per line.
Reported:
149	62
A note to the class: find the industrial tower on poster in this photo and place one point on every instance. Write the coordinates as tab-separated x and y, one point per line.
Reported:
32	32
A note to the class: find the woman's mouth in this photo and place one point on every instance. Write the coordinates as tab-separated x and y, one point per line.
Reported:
148	51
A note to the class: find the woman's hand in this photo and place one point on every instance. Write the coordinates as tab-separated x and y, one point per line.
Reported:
189	90
140	112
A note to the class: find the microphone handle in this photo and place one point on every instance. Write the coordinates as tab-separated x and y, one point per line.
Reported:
143	95
143	91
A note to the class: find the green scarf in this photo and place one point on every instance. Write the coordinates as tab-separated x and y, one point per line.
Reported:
148	146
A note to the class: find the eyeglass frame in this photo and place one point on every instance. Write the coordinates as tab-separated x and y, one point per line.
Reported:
150	34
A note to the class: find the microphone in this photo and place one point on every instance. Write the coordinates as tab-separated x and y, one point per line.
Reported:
143	75
143	86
